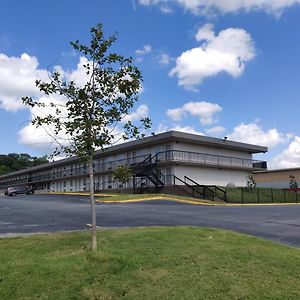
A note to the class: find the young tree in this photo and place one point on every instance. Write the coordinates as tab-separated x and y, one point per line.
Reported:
293	182
122	173
251	183
91	111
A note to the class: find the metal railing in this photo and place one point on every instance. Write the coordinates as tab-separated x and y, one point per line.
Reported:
208	159
262	195
211	192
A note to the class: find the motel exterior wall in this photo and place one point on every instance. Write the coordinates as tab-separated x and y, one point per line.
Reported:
276	178
206	160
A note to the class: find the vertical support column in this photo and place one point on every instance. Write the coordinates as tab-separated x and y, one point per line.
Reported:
242	190
272	195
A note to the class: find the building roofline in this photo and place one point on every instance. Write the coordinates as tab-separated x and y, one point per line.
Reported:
278	170
169	136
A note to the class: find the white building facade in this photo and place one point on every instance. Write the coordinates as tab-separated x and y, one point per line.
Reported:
166	159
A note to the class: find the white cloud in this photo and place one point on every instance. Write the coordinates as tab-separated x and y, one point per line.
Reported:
290	157
43	137
78	75
215	130
17	79
205	111
18	76
188	129
252	133
165	9
141	112
209	7
164	59
145	50
205	33
226	52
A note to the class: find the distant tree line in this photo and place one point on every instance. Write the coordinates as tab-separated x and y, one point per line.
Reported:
14	162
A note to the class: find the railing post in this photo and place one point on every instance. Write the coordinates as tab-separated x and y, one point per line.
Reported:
284	195
133	181
296	196
272	195
257	192
242	190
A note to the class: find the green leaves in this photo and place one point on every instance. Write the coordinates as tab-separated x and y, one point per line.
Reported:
122	173
91	110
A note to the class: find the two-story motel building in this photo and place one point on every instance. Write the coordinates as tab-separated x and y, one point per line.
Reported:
161	160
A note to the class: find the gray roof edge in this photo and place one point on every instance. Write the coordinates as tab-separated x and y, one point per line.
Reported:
278	170
221	142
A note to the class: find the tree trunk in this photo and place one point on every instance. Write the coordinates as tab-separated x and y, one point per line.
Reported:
93	208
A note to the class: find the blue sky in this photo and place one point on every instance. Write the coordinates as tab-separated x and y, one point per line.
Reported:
220	68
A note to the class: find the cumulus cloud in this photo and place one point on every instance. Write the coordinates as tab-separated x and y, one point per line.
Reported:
226	52
188	129
209	7
205	111
164	59
141	112
17	79
217	130
290	157
77	75
145	50
252	133
43	137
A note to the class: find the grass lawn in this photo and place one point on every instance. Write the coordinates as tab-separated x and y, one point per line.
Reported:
148	263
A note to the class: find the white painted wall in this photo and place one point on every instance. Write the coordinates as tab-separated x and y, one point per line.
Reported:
211	150
212	176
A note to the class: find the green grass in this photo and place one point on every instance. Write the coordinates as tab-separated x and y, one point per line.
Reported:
148	263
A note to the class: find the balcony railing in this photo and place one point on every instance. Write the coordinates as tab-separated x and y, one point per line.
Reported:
209	159
166	156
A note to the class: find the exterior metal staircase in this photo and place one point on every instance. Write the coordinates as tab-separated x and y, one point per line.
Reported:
147	171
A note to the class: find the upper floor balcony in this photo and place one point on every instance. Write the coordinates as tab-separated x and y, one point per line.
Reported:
205	159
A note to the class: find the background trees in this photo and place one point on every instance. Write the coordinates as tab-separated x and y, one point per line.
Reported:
14	162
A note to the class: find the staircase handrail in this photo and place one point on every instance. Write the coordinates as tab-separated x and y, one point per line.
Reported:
209	187
219	189
188	185
199	185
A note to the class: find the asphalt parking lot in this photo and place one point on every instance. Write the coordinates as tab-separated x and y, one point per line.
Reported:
50	213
